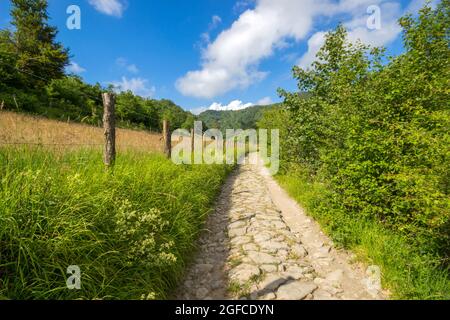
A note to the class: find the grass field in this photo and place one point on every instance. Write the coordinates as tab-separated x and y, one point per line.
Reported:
131	230
407	272
16	128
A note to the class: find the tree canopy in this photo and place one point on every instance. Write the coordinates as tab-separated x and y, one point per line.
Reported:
377	133
33	78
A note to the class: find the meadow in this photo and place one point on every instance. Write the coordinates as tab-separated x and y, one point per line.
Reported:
23	129
131	230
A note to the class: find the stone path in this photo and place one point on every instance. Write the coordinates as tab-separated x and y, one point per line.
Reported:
259	244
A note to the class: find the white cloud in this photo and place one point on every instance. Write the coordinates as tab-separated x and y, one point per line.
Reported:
232	106
123	63
357	25
390	13
216	20
264	101
205	36
197	111
109	7
74	67
231	61
138	86
314	44
132	68
242	5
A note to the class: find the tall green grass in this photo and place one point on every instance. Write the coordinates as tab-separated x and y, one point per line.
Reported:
407	272
130	231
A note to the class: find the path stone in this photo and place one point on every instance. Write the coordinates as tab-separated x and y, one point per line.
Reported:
295	290
263	258
299	251
253	248
236	232
244	273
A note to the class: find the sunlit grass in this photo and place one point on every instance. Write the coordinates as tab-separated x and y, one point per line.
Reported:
17	128
131	231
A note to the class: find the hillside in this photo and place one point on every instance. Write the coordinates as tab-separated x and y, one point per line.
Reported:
69	98
241	119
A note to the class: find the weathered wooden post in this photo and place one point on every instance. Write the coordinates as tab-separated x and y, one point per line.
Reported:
167	139
192	140
109	124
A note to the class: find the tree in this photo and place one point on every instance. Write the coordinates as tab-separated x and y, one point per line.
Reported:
39	58
71	98
377	133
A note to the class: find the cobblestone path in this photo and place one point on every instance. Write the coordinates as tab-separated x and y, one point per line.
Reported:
258	244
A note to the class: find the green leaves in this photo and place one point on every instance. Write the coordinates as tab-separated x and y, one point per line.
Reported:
375	132
38	55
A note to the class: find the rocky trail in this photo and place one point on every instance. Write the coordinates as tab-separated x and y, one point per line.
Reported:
259	244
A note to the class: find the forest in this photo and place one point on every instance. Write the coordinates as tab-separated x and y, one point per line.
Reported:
34	79
240	119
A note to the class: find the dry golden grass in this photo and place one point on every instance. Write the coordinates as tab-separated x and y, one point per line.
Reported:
20	129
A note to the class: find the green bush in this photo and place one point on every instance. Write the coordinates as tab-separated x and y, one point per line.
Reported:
376	133
372	131
408	272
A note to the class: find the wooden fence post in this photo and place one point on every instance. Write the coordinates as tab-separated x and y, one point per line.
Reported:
167	139
109	124
192	141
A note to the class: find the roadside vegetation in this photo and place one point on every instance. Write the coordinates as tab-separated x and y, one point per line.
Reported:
365	148
131	231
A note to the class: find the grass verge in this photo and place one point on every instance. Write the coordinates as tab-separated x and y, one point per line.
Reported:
130	231
407	271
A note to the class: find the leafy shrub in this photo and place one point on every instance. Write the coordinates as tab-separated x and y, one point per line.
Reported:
373	132
378	133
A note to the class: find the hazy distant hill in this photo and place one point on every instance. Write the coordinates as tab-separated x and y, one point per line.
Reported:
241	119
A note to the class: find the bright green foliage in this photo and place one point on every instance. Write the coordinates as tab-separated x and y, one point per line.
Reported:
177	117
378	134
132	110
407	272
375	133
276	117
32	79
29	56
130	231
71	98
33	44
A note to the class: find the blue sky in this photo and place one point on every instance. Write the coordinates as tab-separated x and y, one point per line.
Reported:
219	54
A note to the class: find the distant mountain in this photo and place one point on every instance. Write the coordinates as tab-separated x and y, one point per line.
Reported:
241	119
